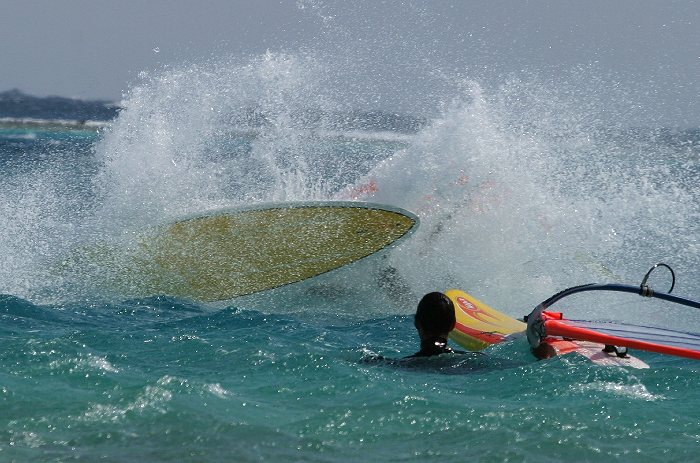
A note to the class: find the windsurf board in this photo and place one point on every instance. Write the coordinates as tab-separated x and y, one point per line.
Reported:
221	254
479	326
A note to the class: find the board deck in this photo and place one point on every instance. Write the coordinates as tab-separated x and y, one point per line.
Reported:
479	326
593	352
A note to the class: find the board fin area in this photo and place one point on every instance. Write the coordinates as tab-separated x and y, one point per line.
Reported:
595	352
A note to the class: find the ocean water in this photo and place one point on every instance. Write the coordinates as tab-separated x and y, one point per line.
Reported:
521	190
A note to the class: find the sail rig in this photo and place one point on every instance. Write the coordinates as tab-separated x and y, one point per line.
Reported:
542	323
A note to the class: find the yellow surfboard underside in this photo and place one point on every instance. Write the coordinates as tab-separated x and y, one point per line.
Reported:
224	254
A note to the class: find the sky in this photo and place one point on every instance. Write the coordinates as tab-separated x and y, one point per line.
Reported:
648	51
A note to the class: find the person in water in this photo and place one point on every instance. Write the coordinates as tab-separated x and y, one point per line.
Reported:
435	318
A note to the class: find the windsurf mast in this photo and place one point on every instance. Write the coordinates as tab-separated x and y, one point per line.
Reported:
643	290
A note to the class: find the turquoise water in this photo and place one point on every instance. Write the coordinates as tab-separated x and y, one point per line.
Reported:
162	380
513	208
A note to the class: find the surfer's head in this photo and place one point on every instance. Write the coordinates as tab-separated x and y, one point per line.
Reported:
435	315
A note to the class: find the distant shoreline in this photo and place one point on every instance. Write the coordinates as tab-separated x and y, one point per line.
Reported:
20	108
50	124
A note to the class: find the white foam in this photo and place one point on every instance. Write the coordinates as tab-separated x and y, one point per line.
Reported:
518	191
633	391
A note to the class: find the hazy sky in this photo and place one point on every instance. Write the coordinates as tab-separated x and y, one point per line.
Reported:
96	48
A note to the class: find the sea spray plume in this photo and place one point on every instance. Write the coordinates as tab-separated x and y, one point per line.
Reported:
198	137
461	176
523	187
220	133
44	204
518	185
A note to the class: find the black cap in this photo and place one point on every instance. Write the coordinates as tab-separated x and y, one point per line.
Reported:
436	313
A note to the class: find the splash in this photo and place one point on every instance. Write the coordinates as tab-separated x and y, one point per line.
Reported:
522	192
188	139
209	135
521	189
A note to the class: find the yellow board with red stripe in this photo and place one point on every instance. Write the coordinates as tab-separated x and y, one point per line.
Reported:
478	325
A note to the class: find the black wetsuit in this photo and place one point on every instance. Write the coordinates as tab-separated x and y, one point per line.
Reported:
433	346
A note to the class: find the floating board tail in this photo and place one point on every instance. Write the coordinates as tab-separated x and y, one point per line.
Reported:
594	352
634	337
478	325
